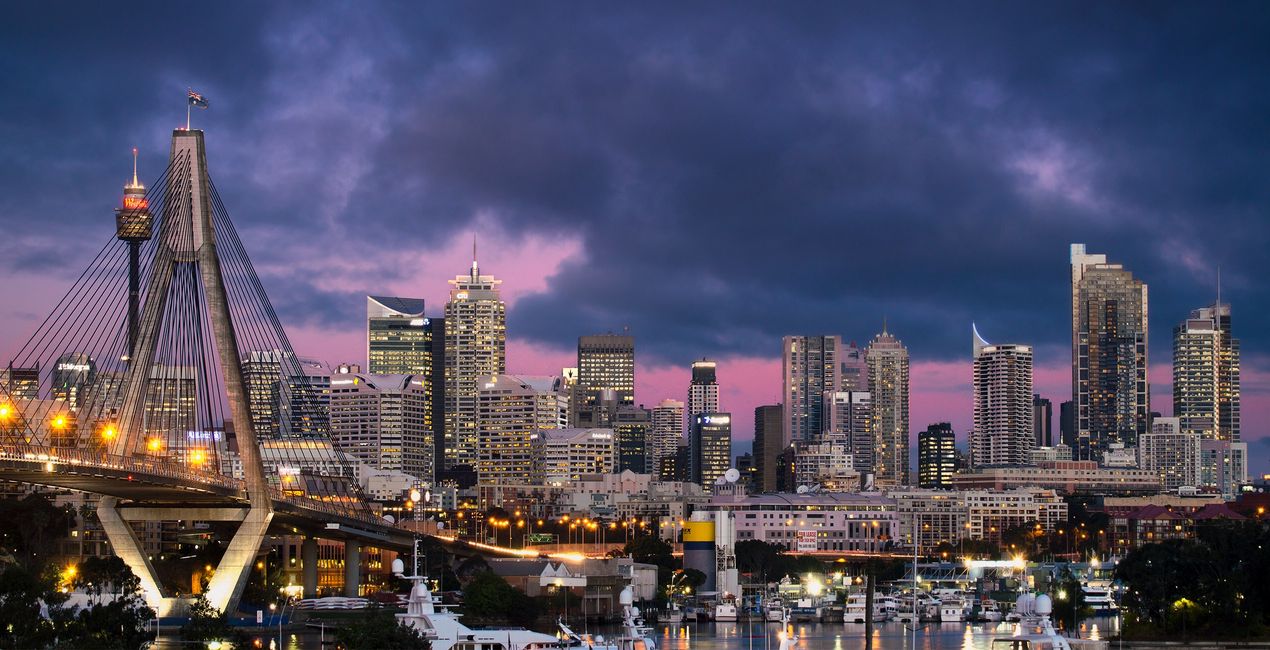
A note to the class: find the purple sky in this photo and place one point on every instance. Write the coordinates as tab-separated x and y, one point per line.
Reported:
712	176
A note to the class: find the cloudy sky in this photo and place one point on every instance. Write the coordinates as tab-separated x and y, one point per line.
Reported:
711	177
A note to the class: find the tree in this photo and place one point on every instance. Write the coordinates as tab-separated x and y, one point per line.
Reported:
28	527
380	630
208	624
22	591
758	558
1069	600
489	599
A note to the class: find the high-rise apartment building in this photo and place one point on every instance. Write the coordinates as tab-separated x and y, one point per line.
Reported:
854	371
1223	466
810	369
666	435
769	440
703	390
398	339
382	421
936	456
1110	388
850	419
711	443
511	410
887	359
1206	374
1003	420
436	392
606	372
1042	422
475	350
1171	453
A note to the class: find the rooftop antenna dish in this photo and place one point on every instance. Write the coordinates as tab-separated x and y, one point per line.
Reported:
732	475
802	489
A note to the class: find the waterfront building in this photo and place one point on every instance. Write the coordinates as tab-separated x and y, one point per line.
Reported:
931	517
1003	432
475	350
990	513
815	521
1110	386
888	364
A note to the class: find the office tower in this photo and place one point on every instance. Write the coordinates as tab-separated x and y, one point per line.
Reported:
475	350
711	442
809	368
854	370
20	383
170	400
288	397
73	373
666	435
436	392
381	420
606	362
745	465
1109	354
511	410
562	455
850	419
1067	423
936	456
1042	422
1003	421
703	391
1223	466
1170	452
633	425
887	359
769	440
1206	374
398	339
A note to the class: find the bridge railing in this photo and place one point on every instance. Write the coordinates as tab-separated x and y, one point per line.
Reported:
97	459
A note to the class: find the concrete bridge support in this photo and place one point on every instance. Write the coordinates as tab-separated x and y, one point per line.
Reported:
309	566
352	567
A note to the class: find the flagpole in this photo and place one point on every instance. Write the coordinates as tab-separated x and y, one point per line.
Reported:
187	114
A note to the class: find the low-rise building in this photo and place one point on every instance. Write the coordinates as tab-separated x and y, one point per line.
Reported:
1065	476
814	521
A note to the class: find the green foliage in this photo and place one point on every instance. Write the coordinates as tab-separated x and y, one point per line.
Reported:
650	549
29	526
21	593
1069	600
209	624
769	562
1215	586
117	623
380	630
489	600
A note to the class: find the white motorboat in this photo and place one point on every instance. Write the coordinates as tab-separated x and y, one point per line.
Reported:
1036	632
635	634
952	609
443	630
1100	599
989	611
775	610
675	616
856	607
725	609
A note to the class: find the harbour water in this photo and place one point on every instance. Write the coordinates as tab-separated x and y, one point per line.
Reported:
759	635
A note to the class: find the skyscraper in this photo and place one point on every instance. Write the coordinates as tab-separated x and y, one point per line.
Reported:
632	426
888	385
1206	374
769	440
850	419
398	339
703	390
1109	354
73	373
936	456
711	443
809	369
855	369
475	350
1003	421
381	420
1067	423
288	397
666	435
1042	422
511	411
606	377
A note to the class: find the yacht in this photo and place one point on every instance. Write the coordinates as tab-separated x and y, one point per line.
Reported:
952	609
1100	599
856	604
443	630
989	611
725	609
1038	632
635	634
674	616
775	610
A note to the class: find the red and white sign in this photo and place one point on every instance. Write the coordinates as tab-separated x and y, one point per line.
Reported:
805	541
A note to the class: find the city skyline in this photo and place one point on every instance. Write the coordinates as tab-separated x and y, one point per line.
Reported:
1043	172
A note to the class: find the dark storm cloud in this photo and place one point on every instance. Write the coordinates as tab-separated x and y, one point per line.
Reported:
733	173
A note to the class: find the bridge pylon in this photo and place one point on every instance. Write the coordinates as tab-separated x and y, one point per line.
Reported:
187	244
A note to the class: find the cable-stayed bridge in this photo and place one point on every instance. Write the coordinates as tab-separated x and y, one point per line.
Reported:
163	380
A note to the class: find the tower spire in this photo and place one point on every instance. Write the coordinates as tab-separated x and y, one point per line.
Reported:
476	272
1219	286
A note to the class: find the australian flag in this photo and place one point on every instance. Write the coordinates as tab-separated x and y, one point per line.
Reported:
197	100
